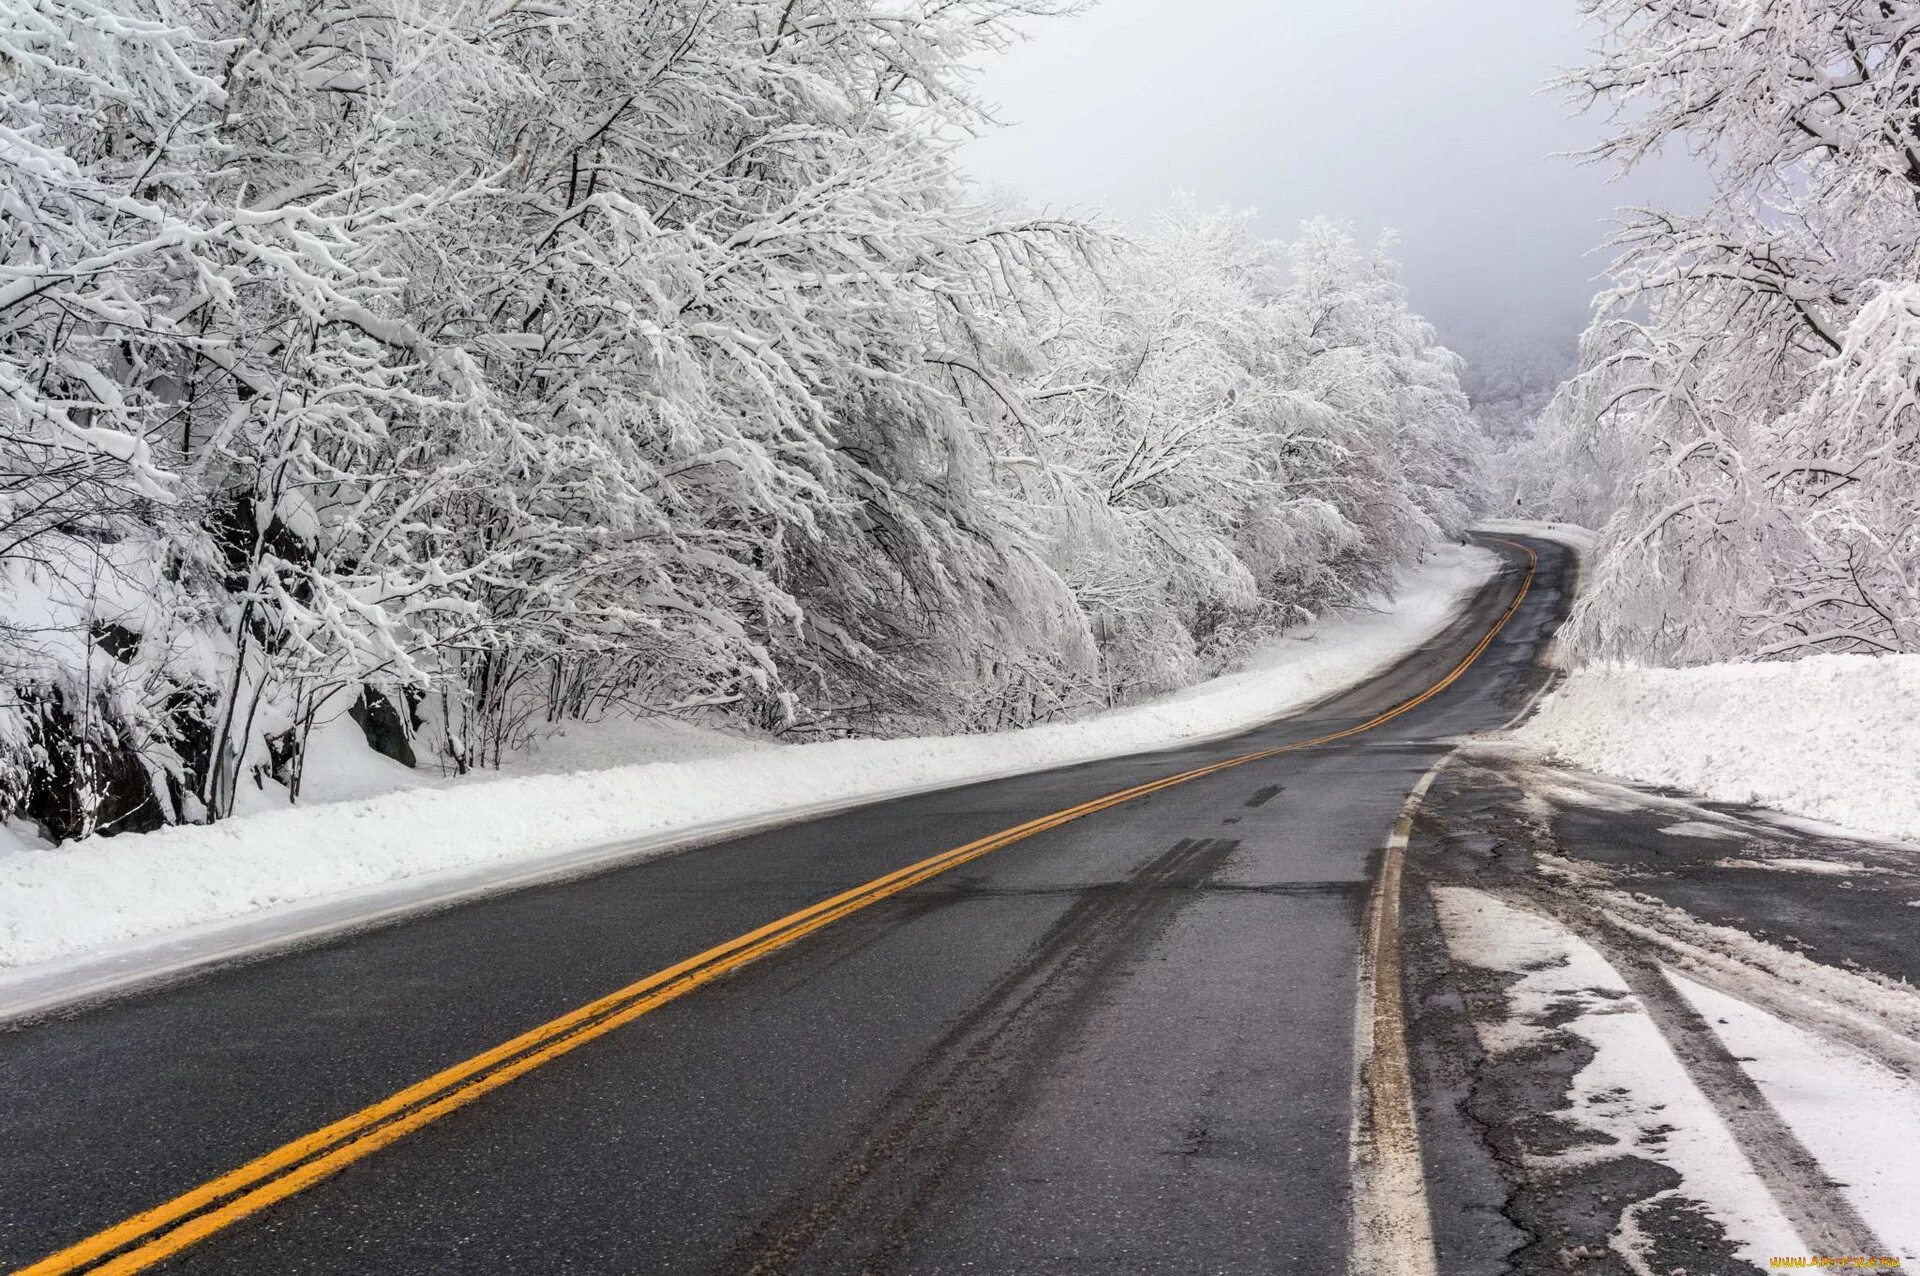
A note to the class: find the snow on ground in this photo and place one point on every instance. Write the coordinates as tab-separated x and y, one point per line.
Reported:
1858	1117
65	902
339	768
1634	1090
592	746
1832	737
20	835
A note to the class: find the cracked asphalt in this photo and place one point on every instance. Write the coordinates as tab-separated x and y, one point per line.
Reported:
1581	848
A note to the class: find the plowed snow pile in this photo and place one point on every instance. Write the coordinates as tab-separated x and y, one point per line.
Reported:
1836	738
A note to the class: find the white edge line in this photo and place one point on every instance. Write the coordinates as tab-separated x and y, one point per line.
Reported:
1392	1226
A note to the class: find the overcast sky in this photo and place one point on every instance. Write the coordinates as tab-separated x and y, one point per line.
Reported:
1421	115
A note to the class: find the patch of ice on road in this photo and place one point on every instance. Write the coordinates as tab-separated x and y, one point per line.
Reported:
57	904
1701	828
1861	1119
1794	864
1828	737
1634	1091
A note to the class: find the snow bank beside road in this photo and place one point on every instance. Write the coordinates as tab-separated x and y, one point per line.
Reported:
64	902
1831	737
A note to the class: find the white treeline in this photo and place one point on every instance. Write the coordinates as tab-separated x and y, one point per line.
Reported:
1745	425
480	365
1215	438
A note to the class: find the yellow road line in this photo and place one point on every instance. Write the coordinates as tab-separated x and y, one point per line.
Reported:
155	1234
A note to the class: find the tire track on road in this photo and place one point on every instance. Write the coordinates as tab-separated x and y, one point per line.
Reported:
1810	1200
938	1120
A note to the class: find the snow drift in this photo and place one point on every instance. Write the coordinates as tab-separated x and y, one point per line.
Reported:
1831	737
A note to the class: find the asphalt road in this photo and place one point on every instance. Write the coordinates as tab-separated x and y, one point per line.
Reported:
1652	880
1121	1044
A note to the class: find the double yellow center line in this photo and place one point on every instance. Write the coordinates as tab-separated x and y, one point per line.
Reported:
155	1234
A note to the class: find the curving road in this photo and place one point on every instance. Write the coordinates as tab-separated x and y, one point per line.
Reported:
1122	1042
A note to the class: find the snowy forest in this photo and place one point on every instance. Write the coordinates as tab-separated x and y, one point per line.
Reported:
470	368
1744	427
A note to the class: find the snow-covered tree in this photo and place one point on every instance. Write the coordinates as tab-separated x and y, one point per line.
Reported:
473	367
1220	437
1752	370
